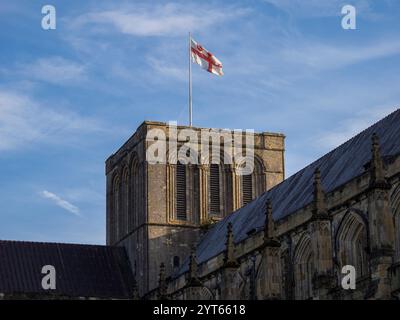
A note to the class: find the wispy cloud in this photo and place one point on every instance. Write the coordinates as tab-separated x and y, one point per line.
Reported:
60	202
318	8
157	20
24	120
351	126
320	56
54	69
168	69
295	58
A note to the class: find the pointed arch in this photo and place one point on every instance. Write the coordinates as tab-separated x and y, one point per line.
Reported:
124	205
135	194
259	176
115	207
395	203
303	268
351	242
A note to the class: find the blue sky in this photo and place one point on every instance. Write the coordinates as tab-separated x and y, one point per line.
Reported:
70	97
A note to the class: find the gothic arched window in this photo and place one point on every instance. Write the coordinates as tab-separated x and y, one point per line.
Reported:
395	202
303	269
253	184
124	210
351	243
115	208
258	177
135	196
180	191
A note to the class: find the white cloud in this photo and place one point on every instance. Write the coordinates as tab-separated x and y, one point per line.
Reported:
319	56
349	127
168	69
278	63
318	8
60	202
56	70
157	20
23	121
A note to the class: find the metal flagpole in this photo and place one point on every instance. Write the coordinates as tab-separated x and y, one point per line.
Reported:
190	80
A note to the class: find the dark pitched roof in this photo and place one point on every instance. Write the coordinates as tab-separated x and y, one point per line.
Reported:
81	270
339	166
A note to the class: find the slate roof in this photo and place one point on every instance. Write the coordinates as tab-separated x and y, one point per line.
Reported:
338	167
81	270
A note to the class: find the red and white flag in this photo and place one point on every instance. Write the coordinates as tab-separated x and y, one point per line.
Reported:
205	58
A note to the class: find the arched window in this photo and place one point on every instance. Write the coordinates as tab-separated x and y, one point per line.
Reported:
135	196
252	185
115	207
180	191
258	177
351	243
303	269
214	185
124	210
395	202
140	194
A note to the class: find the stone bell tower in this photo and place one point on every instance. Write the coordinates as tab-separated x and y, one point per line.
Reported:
158	211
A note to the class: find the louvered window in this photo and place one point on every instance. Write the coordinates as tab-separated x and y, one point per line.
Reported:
214	189
247	188
196	194
181	192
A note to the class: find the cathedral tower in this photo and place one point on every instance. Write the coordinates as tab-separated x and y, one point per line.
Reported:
157	210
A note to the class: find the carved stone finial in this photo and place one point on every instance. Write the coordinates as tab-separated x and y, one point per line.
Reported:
377	169
319	195
229	259
270	239
193	279
192	266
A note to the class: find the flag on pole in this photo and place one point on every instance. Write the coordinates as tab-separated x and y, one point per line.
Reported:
205	58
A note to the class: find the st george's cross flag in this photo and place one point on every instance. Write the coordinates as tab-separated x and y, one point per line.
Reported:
205	58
